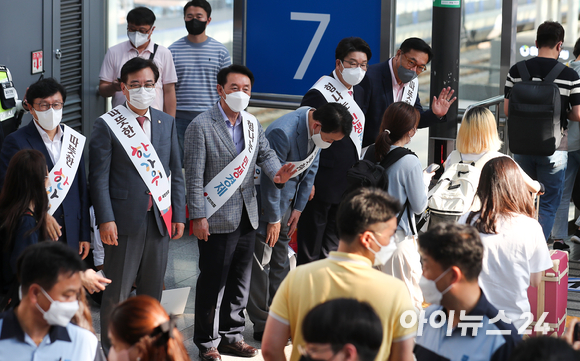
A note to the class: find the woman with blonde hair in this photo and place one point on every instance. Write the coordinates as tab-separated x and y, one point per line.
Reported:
477	137
141	330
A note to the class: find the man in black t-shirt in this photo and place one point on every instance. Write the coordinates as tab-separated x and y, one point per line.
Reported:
549	170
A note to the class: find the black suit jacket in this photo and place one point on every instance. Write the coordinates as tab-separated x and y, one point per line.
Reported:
379	90
73	213
330	181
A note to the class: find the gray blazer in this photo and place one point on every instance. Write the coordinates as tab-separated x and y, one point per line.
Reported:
288	136
117	190
209	148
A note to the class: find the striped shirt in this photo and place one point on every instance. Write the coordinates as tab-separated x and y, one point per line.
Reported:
539	67
197	66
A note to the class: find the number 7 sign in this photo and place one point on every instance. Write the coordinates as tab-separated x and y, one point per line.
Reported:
324	19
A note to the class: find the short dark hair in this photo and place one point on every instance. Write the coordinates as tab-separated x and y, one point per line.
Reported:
452	244
141	16
549	34
44	88
345	320
334	117
544	348
136	64
576	51
418	45
200	4
44	262
222	77
348	45
363	208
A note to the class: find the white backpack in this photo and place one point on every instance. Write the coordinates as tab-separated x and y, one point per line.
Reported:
453	194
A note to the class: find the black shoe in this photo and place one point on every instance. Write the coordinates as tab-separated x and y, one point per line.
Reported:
561	246
258	336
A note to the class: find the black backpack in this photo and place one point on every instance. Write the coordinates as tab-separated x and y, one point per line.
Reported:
534	113
368	173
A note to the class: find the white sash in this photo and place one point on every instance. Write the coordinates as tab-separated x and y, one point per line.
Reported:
63	173
332	90
143	156
217	192
410	92
303	165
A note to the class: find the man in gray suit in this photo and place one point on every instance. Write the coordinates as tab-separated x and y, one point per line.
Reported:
222	147
297	138
133	231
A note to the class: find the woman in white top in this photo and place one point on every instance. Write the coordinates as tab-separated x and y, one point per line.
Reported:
516	252
477	136
408	184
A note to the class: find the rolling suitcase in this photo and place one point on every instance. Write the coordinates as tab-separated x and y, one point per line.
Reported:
552	295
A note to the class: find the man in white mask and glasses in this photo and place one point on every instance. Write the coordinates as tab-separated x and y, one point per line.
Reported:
140	27
317	235
137	189
367	220
460	324
62	146
39	327
222	147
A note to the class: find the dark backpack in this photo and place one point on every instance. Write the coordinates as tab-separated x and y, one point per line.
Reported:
368	173
534	113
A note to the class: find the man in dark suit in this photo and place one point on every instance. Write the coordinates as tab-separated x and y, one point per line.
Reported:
317	234
389	82
132	227
70	221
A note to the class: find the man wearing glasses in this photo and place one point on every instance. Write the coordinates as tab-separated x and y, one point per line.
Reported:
137	189
396	80
317	235
68	216
139	29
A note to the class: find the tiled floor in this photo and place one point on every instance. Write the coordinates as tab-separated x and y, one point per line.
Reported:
182	271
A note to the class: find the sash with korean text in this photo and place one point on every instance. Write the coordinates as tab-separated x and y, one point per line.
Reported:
303	165
63	173
410	92
217	192
144	157
335	92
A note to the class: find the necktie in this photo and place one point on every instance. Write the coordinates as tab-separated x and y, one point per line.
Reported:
350	92
141	120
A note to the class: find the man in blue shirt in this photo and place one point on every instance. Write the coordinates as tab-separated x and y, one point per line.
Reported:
40	328
460	321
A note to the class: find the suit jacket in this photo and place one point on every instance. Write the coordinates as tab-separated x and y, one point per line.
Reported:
73	213
209	148
288	137
117	190
335	161
379	90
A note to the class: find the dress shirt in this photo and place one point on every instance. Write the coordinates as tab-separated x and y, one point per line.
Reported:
52	146
397	89
236	130
146	123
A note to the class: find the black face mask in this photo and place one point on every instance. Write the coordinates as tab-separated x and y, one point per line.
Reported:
195	27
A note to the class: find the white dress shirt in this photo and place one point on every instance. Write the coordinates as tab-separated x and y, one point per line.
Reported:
52	146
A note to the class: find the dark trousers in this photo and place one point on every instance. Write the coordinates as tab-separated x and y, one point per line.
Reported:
141	259
223	285
317	234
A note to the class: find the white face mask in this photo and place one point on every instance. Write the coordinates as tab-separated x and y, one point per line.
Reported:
237	101
353	76
142	98
385	253
137	38
48	119
430	291
59	313
317	139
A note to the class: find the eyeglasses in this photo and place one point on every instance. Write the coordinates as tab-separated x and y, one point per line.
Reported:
46	106
141	30
137	86
413	64
354	64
